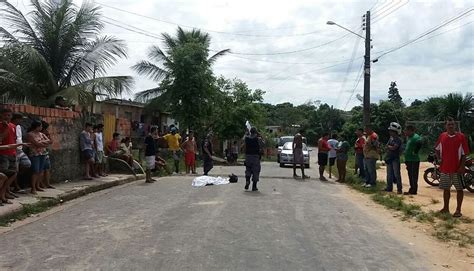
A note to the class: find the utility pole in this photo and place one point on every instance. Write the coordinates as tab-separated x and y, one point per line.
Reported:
366	104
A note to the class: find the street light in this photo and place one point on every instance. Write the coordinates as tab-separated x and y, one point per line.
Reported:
338	25
366	97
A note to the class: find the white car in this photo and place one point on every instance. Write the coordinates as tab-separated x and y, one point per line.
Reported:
286	155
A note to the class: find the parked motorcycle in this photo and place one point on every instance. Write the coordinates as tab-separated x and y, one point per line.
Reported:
432	175
468	177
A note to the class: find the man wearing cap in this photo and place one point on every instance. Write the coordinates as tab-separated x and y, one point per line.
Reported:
174	140
392	158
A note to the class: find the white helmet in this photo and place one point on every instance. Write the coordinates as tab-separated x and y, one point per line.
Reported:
395	127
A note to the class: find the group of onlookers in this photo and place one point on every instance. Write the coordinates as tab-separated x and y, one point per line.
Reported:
91	141
20	153
175	146
451	149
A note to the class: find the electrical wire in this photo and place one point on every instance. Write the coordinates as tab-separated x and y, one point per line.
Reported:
356	85
349	68
424	34
377	19
205	29
149	34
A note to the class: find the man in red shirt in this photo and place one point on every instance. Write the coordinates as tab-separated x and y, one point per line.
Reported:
452	149
323	149
7	157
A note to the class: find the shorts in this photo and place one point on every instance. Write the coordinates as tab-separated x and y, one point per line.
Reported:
22	159
88	154
47	163
332	161
150	162
99	157
177	155
37	163
298	157
322	158
447	180
8	165
190	158
342	156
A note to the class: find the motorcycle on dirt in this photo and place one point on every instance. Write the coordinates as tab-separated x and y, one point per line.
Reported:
432	175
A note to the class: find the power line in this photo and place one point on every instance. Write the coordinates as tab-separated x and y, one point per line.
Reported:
389	9
381	7
292	63
386	6
361	72
349	67
150	34
205	29
291	52
377	19
426	33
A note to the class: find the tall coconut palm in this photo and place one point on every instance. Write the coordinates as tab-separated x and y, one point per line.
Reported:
186	84
163	63
56	50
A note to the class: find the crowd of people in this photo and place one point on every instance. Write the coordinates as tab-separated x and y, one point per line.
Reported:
451	150
20	153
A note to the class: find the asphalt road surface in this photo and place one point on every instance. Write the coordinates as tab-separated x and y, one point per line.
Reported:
169	225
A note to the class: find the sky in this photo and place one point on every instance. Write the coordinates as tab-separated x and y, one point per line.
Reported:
286	49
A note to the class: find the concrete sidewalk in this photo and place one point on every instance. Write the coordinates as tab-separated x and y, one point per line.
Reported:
67	190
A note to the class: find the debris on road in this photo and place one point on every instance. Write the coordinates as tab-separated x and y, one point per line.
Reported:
208	180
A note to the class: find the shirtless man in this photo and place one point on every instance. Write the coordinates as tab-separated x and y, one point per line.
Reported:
298	157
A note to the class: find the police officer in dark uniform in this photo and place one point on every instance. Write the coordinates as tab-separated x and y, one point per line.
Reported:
207	153
253	150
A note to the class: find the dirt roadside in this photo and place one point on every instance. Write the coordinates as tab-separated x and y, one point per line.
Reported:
439	255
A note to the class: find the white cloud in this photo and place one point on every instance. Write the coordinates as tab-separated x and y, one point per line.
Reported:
432	67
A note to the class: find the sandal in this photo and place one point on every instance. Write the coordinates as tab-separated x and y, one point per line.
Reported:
457	214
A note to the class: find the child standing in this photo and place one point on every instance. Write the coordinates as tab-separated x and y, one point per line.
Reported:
150	153
190	148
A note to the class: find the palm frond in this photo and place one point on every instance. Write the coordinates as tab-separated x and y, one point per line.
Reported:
149	94
17	21
155	53
213	58
169	41
94	57
149	69
7	36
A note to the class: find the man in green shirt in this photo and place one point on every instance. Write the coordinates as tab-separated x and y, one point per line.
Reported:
412	158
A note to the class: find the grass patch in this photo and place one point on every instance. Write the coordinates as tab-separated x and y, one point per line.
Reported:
28	210
444	225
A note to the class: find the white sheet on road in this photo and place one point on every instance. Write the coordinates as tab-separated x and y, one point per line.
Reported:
204	180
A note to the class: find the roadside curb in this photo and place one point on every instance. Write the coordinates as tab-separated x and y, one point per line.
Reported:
71	195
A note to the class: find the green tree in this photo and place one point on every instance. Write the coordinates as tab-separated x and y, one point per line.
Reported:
394	95
186	82
57	50
234	105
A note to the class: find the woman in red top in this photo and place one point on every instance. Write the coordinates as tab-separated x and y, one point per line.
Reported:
451	149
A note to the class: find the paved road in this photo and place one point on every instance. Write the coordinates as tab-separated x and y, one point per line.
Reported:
169	225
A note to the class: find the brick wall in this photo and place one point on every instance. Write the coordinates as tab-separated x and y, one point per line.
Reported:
64	128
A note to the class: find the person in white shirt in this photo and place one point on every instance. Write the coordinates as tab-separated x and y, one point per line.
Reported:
22	160
99	147
332	152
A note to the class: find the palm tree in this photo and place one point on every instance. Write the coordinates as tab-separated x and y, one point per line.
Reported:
57	50
186	82
166	60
